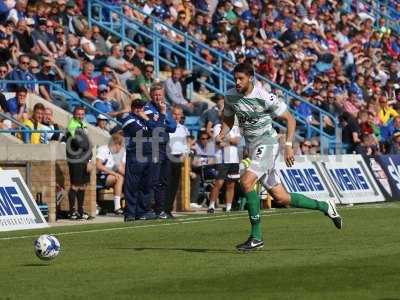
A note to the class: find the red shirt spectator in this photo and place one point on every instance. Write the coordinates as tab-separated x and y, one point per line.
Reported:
85	83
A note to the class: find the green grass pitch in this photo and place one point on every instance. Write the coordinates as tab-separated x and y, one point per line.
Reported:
305	257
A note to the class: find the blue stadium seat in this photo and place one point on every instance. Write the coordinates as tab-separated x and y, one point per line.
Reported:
91	119
193	125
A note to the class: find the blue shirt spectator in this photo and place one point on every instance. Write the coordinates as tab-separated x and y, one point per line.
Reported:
21	73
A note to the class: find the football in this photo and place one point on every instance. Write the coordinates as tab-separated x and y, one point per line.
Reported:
47	247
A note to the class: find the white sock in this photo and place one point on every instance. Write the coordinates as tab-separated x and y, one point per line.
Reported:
117	202
228	206
212	205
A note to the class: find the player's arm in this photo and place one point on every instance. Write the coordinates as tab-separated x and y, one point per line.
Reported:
290	131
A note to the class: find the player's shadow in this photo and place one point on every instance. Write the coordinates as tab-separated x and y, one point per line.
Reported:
199	250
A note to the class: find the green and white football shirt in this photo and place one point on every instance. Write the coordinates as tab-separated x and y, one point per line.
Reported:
254	113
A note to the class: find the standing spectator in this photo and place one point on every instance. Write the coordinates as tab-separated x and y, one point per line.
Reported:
34	123
107	173
214	114
21	73
178	148
174	92
163	124
227	159
49	124
86	85
138	184
78	157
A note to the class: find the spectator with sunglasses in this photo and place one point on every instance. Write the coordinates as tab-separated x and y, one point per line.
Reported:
21	73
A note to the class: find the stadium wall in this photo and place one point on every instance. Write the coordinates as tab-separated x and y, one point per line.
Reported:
45	170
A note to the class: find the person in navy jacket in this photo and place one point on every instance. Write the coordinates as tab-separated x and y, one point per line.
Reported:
137	128
163	124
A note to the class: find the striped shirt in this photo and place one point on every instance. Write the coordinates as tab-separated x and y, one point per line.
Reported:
254	113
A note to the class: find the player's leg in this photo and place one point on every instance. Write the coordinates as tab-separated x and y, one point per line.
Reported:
247	182
281	196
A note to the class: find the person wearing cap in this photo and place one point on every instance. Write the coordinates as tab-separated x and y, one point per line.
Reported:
101	123
163	124
137	128
104	104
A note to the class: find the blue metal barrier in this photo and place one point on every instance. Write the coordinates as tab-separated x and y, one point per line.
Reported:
73	99
188	51
381	9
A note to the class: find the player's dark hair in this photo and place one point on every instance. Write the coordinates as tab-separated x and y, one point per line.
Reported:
245	68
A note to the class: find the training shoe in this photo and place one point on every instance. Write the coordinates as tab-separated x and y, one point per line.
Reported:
147	216
73	216
334	215
250	245
85	216
162	215
210	210
170	215
119	212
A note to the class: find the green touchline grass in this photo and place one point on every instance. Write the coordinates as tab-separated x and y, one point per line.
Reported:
305	257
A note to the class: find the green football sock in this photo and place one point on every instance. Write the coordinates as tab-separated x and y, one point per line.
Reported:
301	201
253	207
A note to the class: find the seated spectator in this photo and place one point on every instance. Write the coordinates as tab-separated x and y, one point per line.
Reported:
23	36
123	68
107	173
105	104
202	165
102	123
50	72
3	76
86	85
350	132
395	143
21	73
174	93
99	42
138	60
34	123
142	83
43	40
386	112
16	106
49	124
368	146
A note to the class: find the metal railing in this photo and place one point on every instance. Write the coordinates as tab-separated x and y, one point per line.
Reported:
25	130
189	52
381	9
71	98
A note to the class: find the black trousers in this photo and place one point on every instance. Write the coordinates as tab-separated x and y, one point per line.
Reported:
161	173
173	185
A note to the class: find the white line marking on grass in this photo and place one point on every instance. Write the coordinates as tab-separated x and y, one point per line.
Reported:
198	220
177	222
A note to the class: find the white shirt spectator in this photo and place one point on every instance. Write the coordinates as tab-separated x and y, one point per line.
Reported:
178	140
106	157
230	153
174	92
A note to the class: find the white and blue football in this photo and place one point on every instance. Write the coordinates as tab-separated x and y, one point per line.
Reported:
47	247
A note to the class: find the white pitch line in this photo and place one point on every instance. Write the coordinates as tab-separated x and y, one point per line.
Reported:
178	222
195	220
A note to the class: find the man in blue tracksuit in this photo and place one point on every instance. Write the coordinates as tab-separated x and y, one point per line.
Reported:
164	124
137	129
